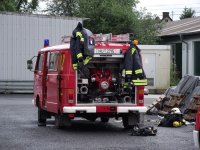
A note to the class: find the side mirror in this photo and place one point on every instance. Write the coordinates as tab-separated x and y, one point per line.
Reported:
30	64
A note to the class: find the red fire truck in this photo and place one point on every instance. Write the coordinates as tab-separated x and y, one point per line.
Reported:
61	92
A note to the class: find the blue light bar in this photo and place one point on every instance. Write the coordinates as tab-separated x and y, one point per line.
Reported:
46	42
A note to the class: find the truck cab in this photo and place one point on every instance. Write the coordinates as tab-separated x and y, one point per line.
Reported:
66	94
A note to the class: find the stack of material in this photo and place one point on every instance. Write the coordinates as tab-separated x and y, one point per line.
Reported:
191	110
155	105
179	96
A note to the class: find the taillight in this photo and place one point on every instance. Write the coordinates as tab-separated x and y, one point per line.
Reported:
197	125
140	95
71	96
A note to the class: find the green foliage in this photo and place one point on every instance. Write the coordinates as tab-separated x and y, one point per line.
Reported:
147	28
61	7
187	13
108	16
7	5
27	5
174	79
18	5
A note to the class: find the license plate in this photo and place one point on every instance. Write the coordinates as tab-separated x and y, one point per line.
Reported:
107	51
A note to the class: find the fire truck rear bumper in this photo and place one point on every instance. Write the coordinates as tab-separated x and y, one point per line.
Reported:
93	109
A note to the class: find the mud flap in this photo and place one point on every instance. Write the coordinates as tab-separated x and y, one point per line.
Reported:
62	121
133	119
136	118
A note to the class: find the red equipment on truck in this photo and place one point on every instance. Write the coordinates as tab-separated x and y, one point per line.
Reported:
62	92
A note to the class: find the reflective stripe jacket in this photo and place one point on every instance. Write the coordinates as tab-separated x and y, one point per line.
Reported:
132	62
77	45
77	48
133	66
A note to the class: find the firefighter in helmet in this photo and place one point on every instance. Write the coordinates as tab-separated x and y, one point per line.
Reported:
133	66
79	59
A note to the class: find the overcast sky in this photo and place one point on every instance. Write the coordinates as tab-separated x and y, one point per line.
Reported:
174	7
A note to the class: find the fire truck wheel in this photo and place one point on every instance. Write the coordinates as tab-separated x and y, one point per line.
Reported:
104	119
41	117
125	122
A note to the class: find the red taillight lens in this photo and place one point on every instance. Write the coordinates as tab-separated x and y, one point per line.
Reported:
71	96
140	95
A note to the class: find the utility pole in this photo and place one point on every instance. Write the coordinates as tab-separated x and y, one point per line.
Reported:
172	14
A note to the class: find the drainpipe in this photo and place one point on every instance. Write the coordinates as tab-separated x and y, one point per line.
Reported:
187	52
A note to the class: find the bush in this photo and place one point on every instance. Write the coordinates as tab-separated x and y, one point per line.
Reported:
174	79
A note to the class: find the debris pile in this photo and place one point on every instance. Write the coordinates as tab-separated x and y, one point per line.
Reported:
190	112
185	96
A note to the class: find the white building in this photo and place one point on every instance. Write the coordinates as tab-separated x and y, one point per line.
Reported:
156	62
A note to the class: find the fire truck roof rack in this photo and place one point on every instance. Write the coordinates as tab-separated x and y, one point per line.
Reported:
65	39
121	38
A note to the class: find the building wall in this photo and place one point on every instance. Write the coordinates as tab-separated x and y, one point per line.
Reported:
21	36
190	57
158	68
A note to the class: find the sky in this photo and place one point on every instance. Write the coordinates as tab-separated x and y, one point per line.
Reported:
174	7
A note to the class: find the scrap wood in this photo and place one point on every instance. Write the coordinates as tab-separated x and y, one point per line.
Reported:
155	104
190	116
174	101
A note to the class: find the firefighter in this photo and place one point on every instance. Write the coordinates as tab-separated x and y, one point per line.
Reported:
79	60
133	67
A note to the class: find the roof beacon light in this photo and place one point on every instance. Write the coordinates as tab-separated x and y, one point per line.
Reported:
46	42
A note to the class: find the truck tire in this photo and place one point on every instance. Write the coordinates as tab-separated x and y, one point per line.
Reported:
41	117
104	119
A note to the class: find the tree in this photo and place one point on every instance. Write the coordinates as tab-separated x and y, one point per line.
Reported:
7	5
61	7
18	5
108	16
147	28
187	13
26	5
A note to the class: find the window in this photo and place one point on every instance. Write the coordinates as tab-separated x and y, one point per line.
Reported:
53	61
196	58
41	56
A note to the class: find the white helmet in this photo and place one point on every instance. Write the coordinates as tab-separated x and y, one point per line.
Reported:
175	111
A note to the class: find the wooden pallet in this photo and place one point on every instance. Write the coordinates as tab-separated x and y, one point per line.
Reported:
155	104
